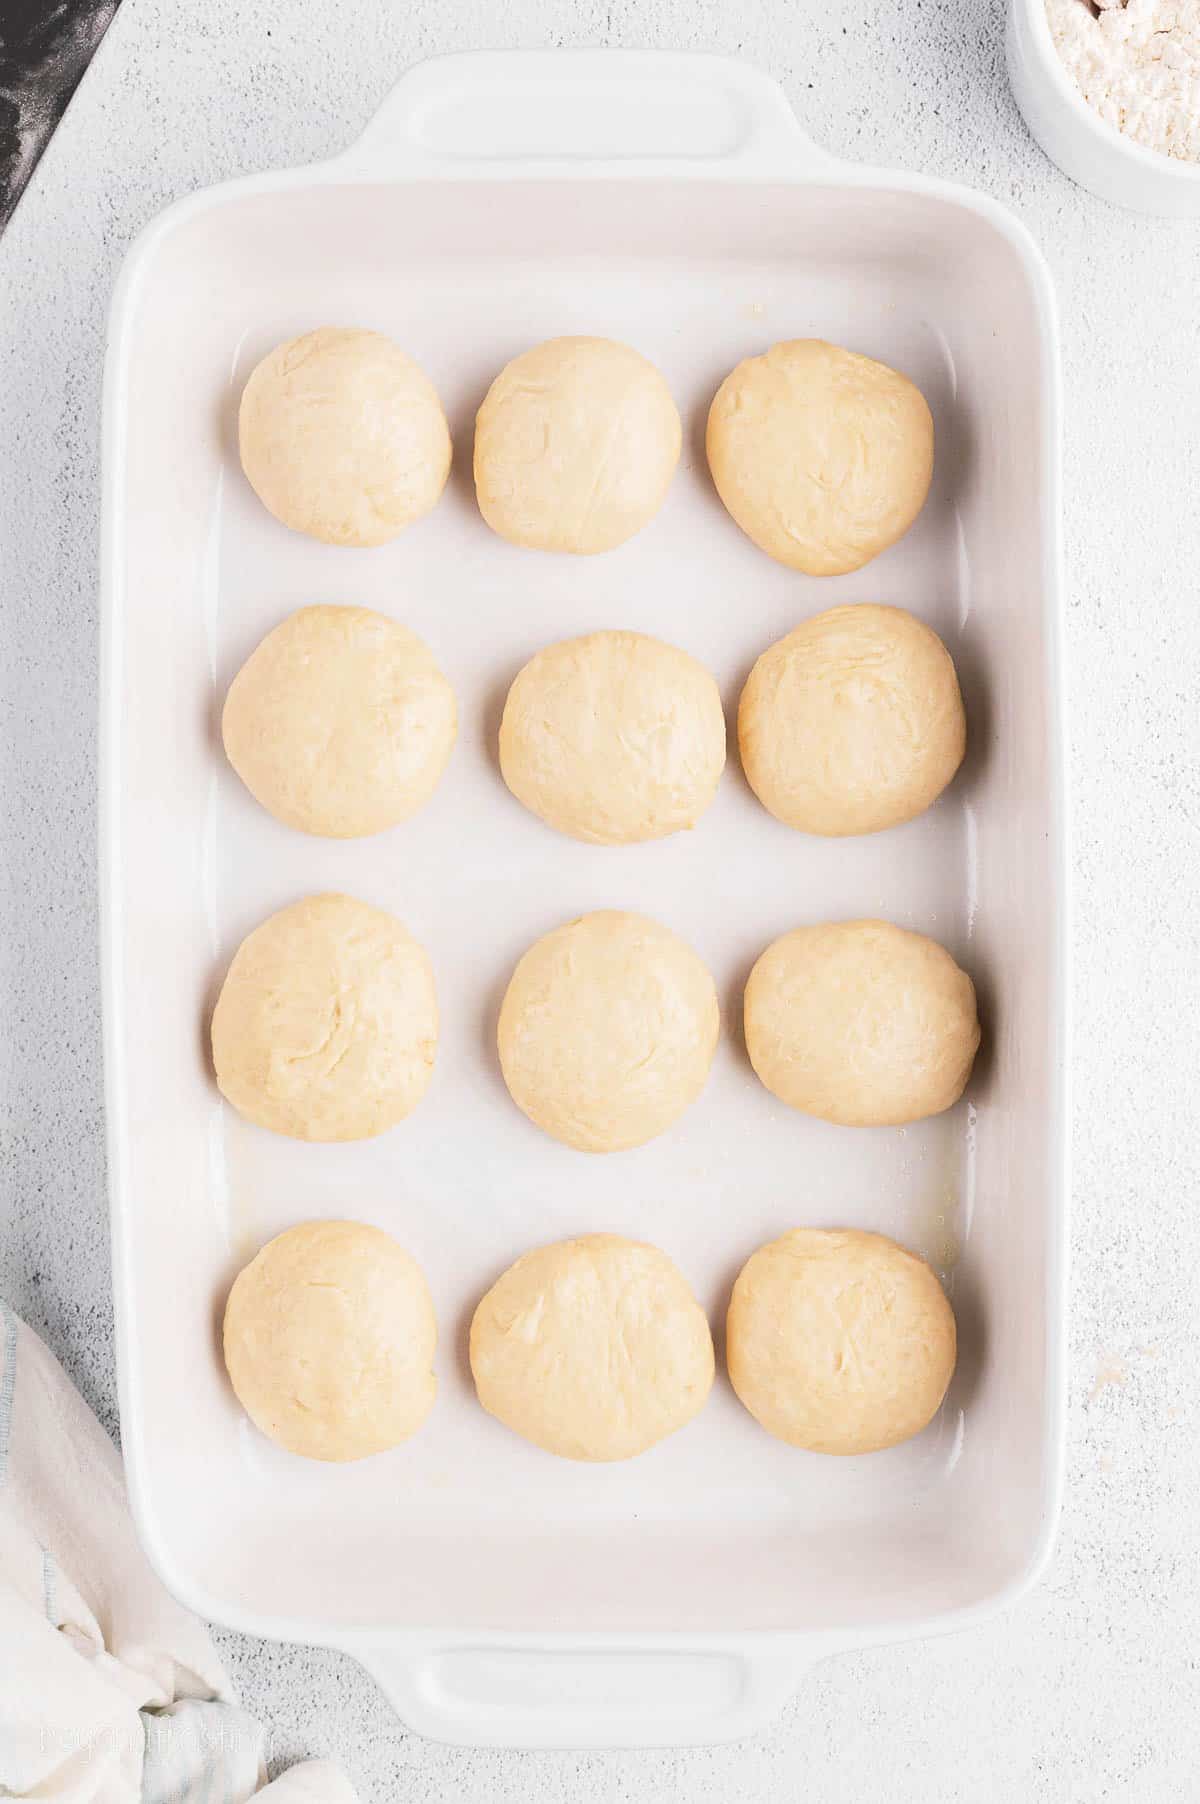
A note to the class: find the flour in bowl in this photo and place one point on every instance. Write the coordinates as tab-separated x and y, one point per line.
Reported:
1138	65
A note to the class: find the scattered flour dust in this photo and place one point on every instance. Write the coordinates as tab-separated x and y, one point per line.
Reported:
1138	65
1111	1372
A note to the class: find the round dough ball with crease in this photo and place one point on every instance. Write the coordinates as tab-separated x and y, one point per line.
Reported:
329	1341
613	738
575	446
853	722
823	457
342	437
861	1023
607	1031
327	1022
839	1341
340	723
594	1349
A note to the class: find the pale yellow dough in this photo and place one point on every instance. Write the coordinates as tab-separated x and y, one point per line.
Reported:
594	1349
822	456
607	1031
342	437
839	1341
340	723
861	1023
329	1341
613	738
853	722
327	1023
575	446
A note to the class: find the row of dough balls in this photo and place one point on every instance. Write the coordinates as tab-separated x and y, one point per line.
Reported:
595	1349
823	457
340	723
326	1026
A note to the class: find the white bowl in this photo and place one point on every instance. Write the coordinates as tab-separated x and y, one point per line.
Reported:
1074	136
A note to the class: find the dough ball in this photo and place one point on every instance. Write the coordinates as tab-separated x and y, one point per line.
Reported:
326	1025
575	446
861	1023
329	1339
838	1341
853	722
613	738
823	457
340	723
343	437
607	1031
594	1349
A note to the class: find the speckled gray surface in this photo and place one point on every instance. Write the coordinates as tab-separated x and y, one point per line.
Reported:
1088	1690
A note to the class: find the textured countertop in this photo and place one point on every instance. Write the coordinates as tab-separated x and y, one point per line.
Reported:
1088	1690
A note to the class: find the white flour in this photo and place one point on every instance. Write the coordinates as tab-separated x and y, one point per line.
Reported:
1138	65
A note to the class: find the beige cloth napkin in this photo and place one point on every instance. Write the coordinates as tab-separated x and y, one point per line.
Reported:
110	1692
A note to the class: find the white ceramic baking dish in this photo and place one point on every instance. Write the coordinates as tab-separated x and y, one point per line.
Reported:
499	1595
1073	135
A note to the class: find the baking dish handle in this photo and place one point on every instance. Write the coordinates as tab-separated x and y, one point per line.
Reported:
505	1696
509	112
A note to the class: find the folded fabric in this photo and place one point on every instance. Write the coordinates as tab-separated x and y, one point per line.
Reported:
112	1693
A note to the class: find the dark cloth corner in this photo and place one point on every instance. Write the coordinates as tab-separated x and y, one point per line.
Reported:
45	46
